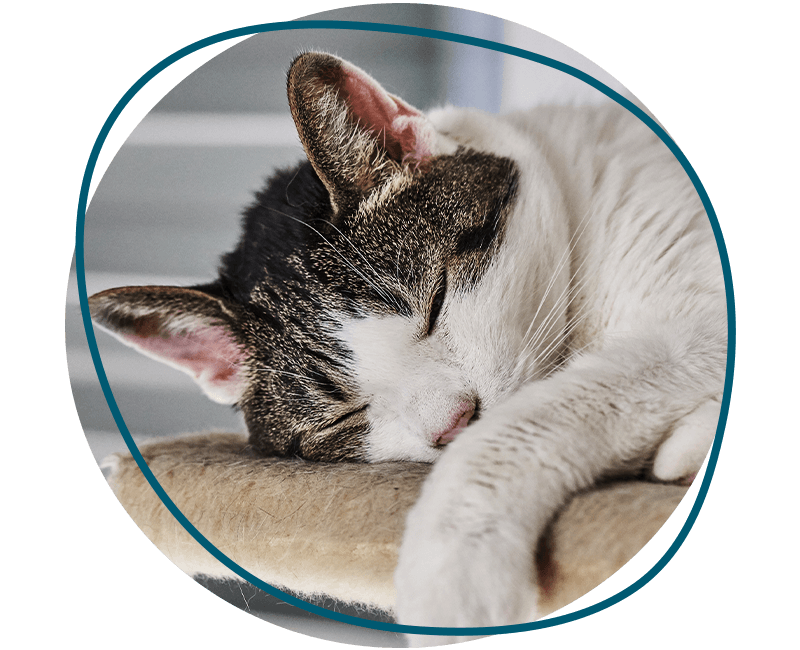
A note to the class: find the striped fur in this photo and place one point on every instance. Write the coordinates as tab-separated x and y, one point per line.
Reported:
534	301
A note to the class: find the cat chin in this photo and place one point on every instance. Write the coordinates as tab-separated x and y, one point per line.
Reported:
392	441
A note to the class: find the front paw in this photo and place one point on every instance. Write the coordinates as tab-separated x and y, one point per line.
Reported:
463	562
681	455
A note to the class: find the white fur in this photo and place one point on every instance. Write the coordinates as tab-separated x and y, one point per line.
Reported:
599	198
684	451
413	390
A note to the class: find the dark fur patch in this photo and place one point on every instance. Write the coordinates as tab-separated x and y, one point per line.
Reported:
323	241
293	272
481	237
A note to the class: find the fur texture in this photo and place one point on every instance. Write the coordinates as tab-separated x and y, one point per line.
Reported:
334	529
533	301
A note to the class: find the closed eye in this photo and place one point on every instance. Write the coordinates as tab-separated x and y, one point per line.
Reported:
347	416
436	304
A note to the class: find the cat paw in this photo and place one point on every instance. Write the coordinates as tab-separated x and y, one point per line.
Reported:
444	581
681	455
462	563
450	582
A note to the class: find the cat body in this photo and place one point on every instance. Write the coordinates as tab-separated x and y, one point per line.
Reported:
639	308
534	302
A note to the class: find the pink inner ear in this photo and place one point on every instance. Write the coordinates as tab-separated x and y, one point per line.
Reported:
208	353
406	133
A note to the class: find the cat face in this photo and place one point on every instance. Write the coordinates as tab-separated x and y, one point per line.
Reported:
372	307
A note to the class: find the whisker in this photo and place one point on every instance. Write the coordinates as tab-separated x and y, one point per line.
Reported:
547	325
386	297
570	289
355	248
267	370
569	294
286	192
566	255
574	353
563	337
553	346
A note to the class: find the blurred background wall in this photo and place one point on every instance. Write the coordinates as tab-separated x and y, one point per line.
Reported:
169	204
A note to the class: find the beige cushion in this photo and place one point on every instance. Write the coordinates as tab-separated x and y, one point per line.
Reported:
334	529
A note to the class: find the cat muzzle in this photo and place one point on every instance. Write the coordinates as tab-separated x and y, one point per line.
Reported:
458	423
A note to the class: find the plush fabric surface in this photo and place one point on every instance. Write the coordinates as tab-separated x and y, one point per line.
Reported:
334	529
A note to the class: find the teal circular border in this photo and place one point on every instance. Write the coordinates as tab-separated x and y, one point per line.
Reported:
456	38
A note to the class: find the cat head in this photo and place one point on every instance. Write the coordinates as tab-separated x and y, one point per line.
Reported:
364	314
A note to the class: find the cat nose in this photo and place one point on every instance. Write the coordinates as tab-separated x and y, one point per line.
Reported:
458	422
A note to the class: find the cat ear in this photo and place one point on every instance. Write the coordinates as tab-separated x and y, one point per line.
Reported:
352	130
187	329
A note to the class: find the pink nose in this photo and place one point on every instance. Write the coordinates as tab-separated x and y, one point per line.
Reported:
458	423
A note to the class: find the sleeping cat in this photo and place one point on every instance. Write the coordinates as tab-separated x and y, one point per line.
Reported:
533	302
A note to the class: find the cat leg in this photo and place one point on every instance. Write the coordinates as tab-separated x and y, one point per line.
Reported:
681	455
467	557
